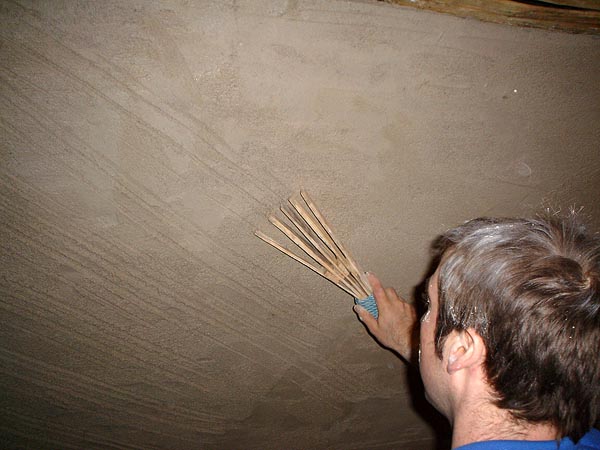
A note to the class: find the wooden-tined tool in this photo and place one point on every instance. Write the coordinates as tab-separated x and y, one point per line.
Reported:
306	227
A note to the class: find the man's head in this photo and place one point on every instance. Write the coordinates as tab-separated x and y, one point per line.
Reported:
531	290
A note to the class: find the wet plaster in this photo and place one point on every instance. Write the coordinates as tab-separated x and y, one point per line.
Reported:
142	144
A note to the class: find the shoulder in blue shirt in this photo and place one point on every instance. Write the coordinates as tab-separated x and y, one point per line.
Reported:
590	441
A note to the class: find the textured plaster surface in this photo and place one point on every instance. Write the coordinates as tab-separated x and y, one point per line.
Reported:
141	145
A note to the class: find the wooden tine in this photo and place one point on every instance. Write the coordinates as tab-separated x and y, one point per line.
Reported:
352	281
349	289
300	243
314	245
304	227
324	273
312	237
305	245
353	265
340	259
314	224
359	286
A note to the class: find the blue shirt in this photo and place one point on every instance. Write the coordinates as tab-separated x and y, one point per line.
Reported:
590	441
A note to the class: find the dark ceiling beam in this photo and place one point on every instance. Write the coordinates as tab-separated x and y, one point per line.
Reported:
574	16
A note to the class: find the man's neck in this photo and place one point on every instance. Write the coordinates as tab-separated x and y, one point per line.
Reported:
487	422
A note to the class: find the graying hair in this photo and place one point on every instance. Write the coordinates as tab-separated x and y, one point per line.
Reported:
531	289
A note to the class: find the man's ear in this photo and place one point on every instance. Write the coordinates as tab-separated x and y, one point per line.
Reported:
465	349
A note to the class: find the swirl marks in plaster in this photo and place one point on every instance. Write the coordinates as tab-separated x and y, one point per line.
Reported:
125	300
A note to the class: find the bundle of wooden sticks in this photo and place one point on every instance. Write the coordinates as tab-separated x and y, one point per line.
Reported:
311	232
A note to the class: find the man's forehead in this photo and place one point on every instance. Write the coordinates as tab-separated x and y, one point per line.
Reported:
428	282
432	282
433	278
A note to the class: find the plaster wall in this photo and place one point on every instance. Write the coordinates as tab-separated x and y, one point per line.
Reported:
141	145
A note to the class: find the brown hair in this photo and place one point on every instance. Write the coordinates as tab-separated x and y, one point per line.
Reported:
531	289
